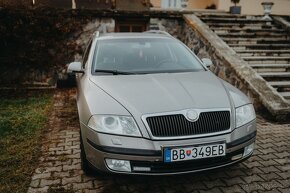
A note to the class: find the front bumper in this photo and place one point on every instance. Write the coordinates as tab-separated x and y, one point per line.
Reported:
152	157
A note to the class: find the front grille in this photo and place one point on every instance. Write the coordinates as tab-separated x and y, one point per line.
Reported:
178	125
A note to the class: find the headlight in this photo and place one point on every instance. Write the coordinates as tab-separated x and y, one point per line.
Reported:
121	125
245	114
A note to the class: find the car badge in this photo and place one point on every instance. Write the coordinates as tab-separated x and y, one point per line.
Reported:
192	115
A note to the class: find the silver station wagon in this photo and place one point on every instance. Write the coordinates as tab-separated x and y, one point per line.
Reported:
148	105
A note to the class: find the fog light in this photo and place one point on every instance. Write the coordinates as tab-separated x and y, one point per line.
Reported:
249	149
119	165
142	169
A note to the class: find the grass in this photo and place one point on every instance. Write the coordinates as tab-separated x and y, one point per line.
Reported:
22	123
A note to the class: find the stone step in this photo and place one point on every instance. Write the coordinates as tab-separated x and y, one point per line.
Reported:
242	25
287	18
254	35
256	42
286	95
225	17
270	68
222	15
270	40
270	65
244	53
240	47
263	51
280	84
266	59
246	27
258	38
245	30
275	74
258	32
236	20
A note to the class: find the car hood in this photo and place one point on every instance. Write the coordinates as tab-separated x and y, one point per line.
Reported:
155	93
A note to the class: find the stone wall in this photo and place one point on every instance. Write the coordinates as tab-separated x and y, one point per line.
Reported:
36	45
16	3
173	26
54	3
64	4
129	5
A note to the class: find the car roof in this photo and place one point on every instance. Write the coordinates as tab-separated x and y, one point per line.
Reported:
133	35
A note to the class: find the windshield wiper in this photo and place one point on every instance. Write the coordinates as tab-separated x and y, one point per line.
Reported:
114	72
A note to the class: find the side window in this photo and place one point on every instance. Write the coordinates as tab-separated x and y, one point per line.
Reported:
86	55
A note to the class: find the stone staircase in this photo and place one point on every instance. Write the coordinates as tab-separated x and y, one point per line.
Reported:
264	45
287	18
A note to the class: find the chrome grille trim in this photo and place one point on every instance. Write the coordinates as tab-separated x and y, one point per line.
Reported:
202	124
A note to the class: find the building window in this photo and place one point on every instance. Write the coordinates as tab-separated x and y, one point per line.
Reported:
171	4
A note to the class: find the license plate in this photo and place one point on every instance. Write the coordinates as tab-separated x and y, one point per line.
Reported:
194	152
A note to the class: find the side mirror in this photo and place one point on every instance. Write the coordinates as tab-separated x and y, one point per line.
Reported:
75	67
207	62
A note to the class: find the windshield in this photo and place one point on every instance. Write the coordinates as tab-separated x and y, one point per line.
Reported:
143	55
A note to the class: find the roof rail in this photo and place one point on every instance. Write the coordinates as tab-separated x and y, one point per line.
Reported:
96	34
157	32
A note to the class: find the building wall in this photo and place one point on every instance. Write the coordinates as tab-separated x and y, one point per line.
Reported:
192	4
93	4
254	7
132	5
173	26
197	4
156	3
249	7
